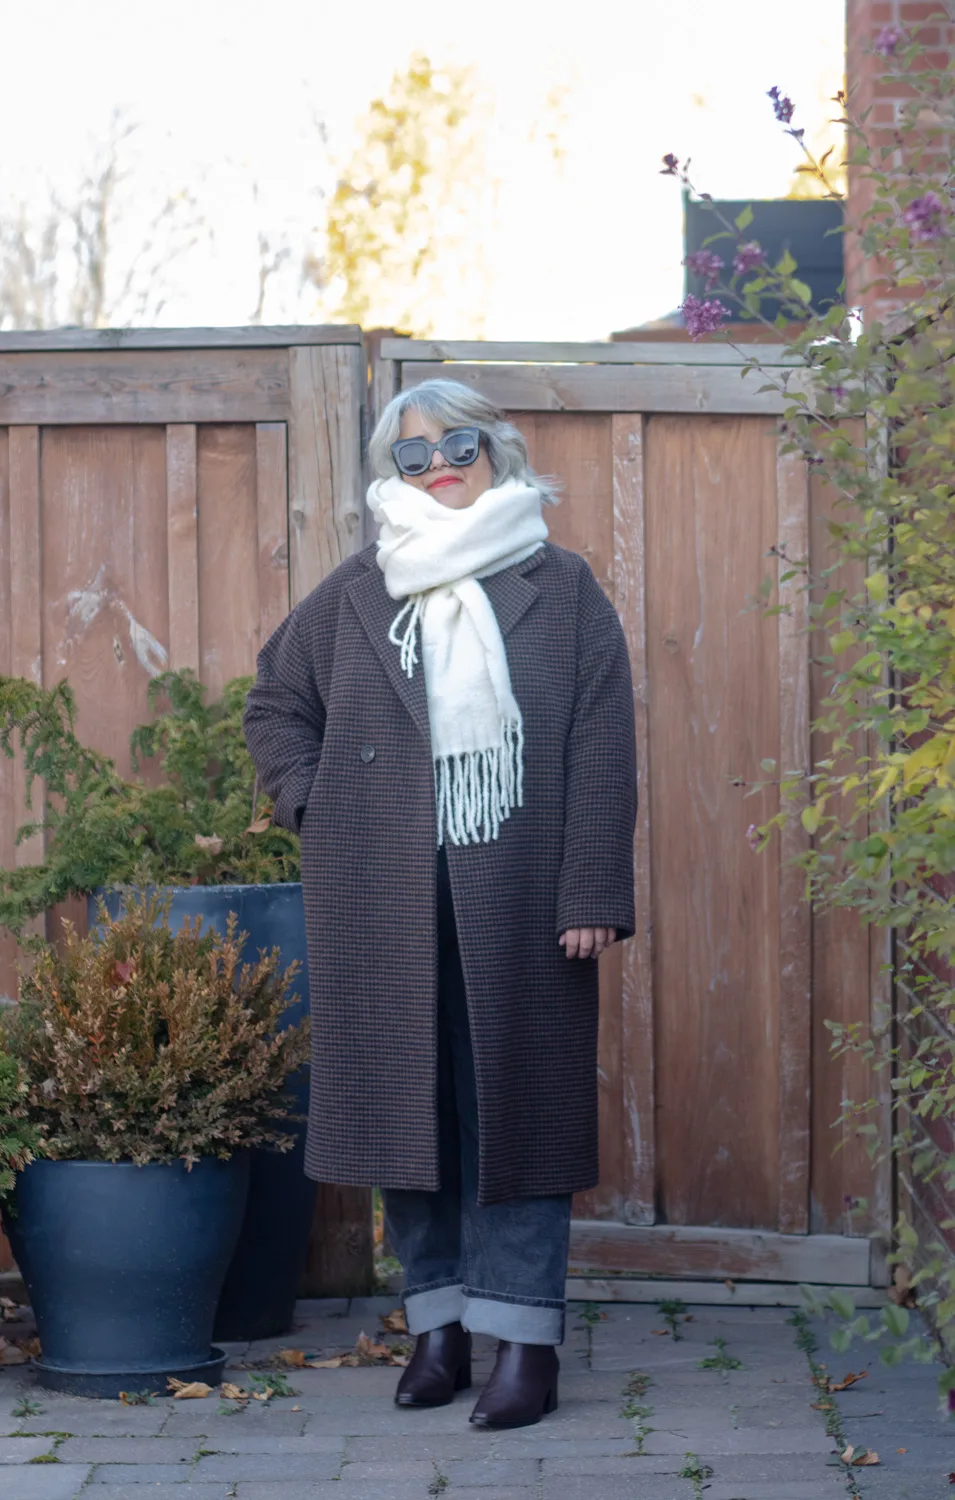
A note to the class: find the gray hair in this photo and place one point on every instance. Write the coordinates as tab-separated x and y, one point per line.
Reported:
450	403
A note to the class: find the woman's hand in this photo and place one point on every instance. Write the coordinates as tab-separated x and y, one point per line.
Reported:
587	942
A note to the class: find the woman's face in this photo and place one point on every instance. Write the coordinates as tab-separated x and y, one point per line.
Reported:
456	488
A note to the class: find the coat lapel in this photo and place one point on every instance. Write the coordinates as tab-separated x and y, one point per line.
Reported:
511	593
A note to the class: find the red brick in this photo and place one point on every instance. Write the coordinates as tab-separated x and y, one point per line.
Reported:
921	10
891	88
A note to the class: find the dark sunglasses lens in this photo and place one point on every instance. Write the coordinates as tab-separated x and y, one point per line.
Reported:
413	456
460	447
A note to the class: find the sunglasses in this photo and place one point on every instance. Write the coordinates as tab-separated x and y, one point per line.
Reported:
460	447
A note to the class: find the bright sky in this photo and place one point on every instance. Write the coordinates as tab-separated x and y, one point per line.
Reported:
226	91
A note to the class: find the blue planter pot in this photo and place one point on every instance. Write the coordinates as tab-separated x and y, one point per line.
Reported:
258	1298
124	1266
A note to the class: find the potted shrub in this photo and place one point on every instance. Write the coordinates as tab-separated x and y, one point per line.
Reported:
150	1066
190	821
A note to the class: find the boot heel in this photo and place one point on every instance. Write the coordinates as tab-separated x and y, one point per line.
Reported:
462	1381
550	1403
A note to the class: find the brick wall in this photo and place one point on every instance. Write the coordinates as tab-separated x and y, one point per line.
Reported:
868	90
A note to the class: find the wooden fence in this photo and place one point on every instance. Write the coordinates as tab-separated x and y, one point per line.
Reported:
165	497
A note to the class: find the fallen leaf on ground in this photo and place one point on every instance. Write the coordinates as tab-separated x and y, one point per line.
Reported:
11	1355
859	1457
233	1392
261	825
296	1408
728	1282
663	1332
265	1395
901	1450
901	1291
395	1322
294	1357
366	1352
188	1390
846	1381
366	1348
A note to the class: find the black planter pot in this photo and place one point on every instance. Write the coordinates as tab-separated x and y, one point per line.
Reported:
124	1266
258	1298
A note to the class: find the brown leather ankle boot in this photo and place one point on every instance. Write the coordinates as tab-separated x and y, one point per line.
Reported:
522	1387
440	1366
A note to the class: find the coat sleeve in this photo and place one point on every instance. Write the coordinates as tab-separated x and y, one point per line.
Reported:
284	723
600	774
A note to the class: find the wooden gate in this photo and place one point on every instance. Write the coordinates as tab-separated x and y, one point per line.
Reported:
165	496
717	1093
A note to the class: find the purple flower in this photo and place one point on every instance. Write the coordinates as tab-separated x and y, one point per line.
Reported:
782	107
837	391
705	263
748	257
703	317
924	216
670	165
752	838
888	39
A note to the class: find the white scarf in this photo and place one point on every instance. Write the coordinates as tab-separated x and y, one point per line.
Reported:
433	556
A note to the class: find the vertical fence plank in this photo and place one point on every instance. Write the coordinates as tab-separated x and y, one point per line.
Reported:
795	916
182	523
327	390
271	482
26	622
385	383
339	1260
326	503
629	571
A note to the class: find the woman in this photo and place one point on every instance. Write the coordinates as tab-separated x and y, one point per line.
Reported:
447	720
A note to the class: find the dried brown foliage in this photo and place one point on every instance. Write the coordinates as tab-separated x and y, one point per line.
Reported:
144	1045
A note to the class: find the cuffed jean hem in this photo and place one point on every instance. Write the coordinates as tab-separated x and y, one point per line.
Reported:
510	1318
433	1306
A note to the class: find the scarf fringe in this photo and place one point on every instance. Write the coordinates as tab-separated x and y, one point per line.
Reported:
406	641
476	791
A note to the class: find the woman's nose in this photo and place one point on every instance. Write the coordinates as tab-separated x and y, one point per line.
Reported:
438	460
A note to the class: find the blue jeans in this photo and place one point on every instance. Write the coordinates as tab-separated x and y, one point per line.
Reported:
500	1269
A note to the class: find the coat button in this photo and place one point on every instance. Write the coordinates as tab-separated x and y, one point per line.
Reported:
367	753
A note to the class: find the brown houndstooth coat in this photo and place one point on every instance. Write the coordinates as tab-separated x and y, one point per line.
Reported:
340	738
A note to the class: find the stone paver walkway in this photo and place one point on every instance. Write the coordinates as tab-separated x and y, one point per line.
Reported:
639	1419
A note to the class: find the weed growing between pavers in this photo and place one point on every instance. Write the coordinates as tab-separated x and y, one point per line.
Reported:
806	1341
440	1481
590	1315
636	1411
720	1360
26	1408
44	1458
276	1383
671	1311
696	1472
138	1398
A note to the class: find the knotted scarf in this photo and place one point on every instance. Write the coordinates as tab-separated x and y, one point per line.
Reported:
432	557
